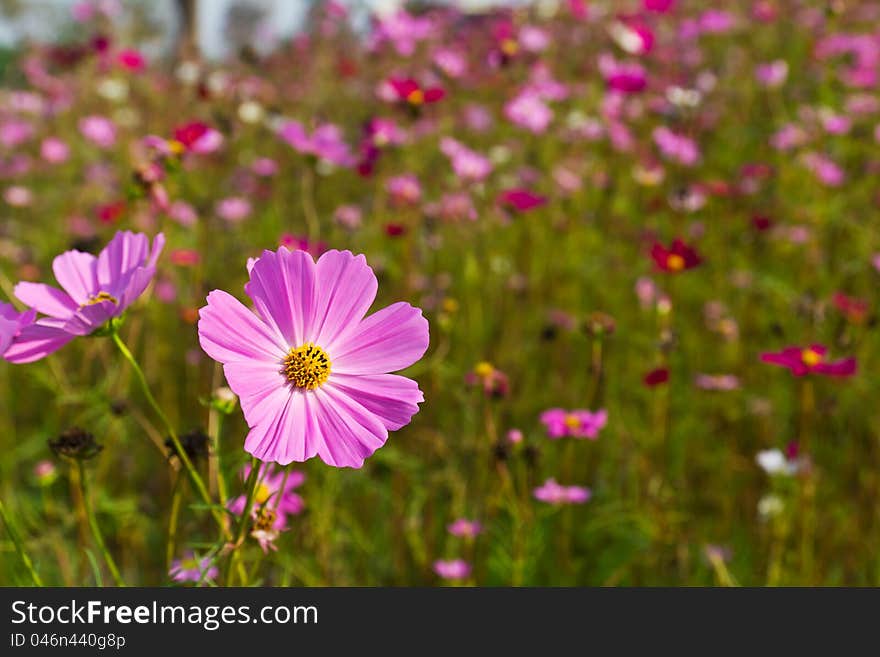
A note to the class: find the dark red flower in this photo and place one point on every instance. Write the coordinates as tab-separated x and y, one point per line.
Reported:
520	199
656	377
189	133
854	309
761	223
395	230
811	360
678	257
111	212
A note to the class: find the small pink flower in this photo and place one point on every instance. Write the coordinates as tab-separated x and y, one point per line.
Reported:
529	111
521	200
54	151
193	569
554	493
234	209
514	436
404	189
577	424
456	569
99	130
326	142
183	213
465	528
772	74
676	147
18	196
274	491
467	164
717	382
131	60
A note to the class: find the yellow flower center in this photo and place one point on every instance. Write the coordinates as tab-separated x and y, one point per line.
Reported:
262	494
509	47
675	262
416	97
98	298
307	366
810	357
484	370
572	421
176	147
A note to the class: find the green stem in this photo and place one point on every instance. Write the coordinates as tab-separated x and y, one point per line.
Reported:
176	497
19	546
308	204
251	488
181	453
93	525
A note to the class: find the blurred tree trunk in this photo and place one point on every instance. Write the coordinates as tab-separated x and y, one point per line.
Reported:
187	46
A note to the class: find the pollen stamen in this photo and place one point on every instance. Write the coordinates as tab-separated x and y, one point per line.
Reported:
307	366
99	297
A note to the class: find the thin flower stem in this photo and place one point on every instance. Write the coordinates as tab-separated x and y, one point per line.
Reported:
176	497
308	204
19	546
93	525
181	453
251	488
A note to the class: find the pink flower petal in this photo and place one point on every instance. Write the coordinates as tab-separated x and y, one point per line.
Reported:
230	332
126	252
45	299
37	341
350	432
388	340
260	386
75	272
393	399
282	287
346	288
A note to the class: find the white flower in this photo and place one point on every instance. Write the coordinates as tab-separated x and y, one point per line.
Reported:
770	506
774	462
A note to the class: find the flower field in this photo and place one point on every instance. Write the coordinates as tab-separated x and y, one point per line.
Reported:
567	293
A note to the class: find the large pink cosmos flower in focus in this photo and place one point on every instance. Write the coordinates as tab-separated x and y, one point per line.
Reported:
94	291
311	372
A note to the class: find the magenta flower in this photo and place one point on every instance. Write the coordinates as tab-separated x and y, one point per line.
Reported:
676	147
465	528
454	569
233	209
94	291
577	424
54	151
521	200
269	492
554	493
312	373
193	569
809	361
11	324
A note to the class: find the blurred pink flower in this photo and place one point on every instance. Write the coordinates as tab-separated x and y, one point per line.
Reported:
676	147
99	130
54	151
577	424
528	111
467	164
325	142
554	493
809	360
772	74
465	528
94	291
274	490
233	209
455	569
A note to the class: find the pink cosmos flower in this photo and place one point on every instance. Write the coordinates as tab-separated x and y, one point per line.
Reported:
810	360
554	493
99	130
529	111
233	209
467	164
676	147
404	189
577	424
15	132
772	74
717	381
18	196
311	372
454	569
625	77
521	200
54	151
94	291
325	143
465	528
131	60
193	569
284	501
11	324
